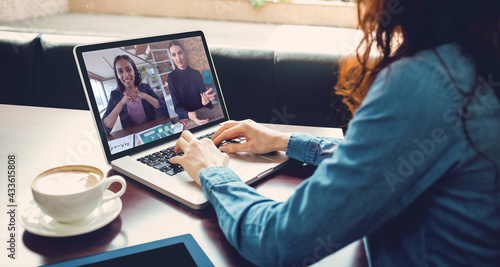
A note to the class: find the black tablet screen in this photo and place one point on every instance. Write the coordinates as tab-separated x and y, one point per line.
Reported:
173	255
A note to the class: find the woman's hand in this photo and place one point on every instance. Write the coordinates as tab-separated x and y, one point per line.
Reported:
198	155
206	97
140	95
132	95
124	99
136	94
259	139
192	116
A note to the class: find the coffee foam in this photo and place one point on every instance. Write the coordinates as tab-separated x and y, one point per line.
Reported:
63	183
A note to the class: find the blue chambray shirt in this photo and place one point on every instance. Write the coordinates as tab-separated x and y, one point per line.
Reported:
405	178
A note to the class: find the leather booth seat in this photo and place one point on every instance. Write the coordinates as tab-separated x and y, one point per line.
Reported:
18	62
263	85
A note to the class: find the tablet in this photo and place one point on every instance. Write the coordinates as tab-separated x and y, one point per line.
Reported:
175	251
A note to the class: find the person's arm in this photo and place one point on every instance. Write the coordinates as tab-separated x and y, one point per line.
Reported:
154	100
311	149
307	148
150	99
384	163
113	110
206	95
194	117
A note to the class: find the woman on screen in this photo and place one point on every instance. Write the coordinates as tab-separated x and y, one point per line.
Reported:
135	102
186	86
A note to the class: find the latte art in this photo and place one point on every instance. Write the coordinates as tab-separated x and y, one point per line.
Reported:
66	183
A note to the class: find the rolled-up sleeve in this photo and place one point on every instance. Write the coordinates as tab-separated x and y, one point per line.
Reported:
310	148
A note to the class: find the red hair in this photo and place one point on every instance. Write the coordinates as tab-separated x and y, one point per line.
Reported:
394	29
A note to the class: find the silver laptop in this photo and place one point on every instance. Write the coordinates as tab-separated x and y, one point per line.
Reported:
139	147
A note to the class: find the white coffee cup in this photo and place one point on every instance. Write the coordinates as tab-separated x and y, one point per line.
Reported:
70	193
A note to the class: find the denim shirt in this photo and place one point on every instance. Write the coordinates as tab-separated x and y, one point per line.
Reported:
405	177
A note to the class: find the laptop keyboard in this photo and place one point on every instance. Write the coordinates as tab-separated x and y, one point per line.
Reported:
160	160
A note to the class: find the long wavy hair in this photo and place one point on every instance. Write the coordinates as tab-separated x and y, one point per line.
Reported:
394	29
397	29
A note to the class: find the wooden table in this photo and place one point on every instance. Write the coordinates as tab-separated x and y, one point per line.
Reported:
41	138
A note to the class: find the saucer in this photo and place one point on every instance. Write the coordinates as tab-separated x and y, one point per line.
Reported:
39	223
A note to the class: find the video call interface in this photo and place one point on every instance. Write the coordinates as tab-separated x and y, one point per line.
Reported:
191	84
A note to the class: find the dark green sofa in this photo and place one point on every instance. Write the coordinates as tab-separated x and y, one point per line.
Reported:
263	85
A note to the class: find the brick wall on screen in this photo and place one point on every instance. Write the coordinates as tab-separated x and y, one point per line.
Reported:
196	54
14	10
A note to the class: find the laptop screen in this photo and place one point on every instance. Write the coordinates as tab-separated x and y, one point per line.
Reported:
146	91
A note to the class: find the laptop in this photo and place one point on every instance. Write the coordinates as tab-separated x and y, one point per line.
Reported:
134	149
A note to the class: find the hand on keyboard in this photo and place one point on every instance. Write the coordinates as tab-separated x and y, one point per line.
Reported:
161	160
225	142
198	155
258	139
